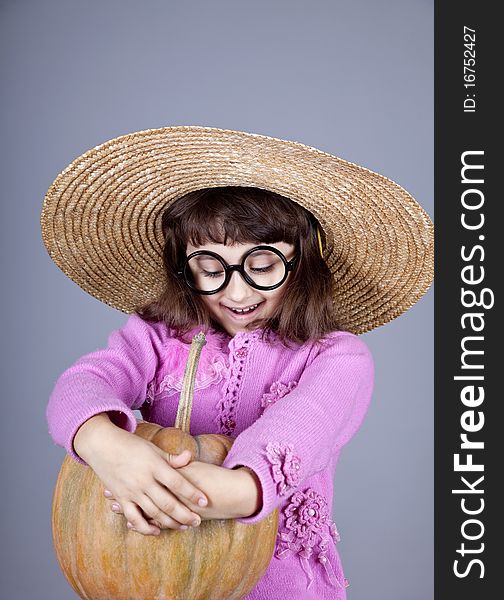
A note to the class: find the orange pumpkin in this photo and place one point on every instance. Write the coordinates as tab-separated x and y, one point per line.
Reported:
102	560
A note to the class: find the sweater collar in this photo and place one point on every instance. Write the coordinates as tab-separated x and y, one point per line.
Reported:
221	340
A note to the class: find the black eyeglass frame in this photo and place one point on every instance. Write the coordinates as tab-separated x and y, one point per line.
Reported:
228	269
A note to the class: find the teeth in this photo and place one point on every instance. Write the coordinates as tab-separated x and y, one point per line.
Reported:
241	311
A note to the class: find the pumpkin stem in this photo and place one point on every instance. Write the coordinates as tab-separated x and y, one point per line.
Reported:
183	420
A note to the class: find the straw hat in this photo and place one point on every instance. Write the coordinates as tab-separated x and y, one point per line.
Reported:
101	218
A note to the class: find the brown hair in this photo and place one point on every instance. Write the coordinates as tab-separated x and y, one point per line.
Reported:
236	214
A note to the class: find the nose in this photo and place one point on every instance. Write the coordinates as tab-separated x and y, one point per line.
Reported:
237	289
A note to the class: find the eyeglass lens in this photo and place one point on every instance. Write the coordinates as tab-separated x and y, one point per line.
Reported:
207	273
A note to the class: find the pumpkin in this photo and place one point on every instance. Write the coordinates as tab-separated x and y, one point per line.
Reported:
102	560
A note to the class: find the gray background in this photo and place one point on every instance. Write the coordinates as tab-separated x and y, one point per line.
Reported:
351	77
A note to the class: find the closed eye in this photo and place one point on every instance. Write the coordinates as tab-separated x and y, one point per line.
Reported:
261	269
212	274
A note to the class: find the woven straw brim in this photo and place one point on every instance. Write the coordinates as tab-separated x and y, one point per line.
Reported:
101	218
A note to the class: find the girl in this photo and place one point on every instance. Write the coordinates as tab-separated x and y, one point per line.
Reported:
283	371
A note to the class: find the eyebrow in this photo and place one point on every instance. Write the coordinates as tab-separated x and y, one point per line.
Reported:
204	257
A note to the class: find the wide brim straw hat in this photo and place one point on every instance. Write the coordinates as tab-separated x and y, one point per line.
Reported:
101	217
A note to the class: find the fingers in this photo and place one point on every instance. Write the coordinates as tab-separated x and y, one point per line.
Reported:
174	460
165	505
166	512
154	522
162	522
180	487
161	498
178	460
137	522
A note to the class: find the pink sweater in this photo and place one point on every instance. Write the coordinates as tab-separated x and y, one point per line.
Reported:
290	409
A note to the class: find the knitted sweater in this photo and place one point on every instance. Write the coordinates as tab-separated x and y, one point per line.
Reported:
290	410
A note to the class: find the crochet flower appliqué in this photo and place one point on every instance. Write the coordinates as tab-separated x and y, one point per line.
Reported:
277	390
307	531
285	465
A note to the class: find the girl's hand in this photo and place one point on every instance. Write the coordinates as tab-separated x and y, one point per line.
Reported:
232	493
144	480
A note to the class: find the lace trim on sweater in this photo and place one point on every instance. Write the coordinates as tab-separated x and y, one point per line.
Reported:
212	369
239	350
213	372
307	531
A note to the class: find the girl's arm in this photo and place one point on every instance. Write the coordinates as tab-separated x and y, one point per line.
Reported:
300	434
111	380
90	413
232	493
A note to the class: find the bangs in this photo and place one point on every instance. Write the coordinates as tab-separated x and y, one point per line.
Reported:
228	232
236	215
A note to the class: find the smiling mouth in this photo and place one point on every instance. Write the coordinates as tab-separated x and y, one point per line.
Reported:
244	311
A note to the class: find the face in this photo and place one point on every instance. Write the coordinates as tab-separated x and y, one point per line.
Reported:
238	304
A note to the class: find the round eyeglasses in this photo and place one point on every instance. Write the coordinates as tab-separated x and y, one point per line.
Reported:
262	267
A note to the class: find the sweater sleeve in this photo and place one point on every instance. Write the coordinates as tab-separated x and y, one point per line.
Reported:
297	436
112	380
